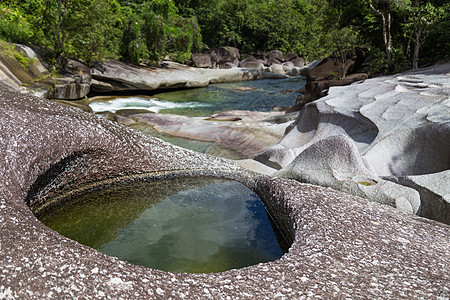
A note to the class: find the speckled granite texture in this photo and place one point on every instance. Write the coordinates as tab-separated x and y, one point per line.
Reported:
343	246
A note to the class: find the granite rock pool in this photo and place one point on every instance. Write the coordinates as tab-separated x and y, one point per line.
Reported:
194	225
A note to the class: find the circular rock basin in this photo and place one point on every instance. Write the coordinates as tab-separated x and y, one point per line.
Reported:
193	225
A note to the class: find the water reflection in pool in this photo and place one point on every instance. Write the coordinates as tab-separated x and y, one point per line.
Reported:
179	225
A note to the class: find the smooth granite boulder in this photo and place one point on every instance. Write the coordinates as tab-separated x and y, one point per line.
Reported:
341	245
335	162
246	133
433	192
112	76
399	126
277	68
299	62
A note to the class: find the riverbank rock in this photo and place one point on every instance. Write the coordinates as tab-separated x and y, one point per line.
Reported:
202	60
341	246
74	84
22	75
318	89
34	77
228	57
224	57
332	67
290	56
276	54
114	76
277	68
298	62
397	127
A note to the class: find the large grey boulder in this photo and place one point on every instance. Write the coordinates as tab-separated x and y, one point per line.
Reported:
298	62
251	60
114	76
276	54
202	60
290	56
335	162
434	194
75	83
399	127
272	61
255	65
223	57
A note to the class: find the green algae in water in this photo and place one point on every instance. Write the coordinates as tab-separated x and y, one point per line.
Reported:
194	225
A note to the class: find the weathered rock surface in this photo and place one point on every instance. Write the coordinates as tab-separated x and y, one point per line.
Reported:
317	89
290	56
335	162
245	132
202	60
13	73
331	67
343	246
228	57
276	54
393	126
224	56
117	76
277	68
70	88
74	84
298	62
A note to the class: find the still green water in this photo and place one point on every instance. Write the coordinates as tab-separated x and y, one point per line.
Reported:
195	225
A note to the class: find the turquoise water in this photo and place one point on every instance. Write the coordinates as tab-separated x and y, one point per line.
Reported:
195	225
257	95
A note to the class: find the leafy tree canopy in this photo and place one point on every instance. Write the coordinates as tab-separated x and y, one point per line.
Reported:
398	33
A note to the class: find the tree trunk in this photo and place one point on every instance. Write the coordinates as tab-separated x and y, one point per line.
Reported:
58	26
60	30
416	48
388	42
386	27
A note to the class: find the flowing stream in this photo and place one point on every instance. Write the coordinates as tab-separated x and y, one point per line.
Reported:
257	95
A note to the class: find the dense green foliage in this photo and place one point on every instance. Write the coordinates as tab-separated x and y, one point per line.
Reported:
398	33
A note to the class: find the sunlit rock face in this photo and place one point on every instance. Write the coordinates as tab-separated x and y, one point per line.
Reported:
34	78
114	76
377	139
342	246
